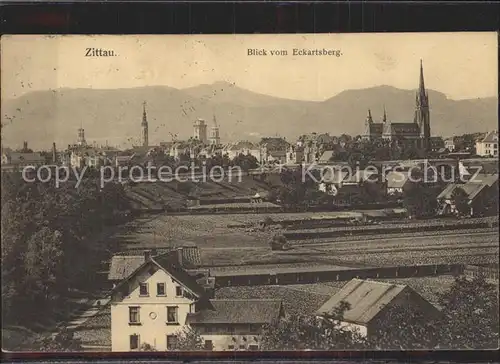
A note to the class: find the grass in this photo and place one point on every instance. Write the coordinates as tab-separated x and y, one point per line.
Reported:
223	246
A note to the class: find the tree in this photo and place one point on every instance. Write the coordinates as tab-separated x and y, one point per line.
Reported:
470	310
188	339
461	201
245	162
147	347
468	320
404	328
48	242
310	332
62	341
421	199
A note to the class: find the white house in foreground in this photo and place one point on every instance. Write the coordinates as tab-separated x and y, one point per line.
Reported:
370	300
160	298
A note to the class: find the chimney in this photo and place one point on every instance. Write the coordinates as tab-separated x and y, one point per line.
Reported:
179	256
54	153
147	255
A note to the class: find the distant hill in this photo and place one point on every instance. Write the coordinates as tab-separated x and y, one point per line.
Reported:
114	116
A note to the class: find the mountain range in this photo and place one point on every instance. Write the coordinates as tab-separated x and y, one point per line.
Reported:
114	116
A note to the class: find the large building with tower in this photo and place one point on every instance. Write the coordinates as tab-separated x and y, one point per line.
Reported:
416	133
200	131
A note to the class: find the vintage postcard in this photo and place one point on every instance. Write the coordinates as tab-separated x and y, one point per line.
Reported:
249	192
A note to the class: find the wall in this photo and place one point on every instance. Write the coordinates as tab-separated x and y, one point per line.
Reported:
153	331
335	275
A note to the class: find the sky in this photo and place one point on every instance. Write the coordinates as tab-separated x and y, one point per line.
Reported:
461	65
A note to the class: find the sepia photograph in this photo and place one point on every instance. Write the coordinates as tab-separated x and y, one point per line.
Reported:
260	192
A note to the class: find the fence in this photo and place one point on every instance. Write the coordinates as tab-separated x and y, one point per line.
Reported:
276	277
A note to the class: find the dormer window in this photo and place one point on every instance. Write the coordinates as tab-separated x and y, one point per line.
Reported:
143	289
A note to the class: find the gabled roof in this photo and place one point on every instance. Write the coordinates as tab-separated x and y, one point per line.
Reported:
244	145
245	311
472	188
274	143
366	299
486	179
123	266
487	166
169	263
326	156
491	137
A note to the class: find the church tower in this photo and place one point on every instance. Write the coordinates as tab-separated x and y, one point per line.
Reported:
422	115
81	137
214	133
368	123
386	127
144	126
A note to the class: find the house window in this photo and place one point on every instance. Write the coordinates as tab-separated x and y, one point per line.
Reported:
134	342
209	345
253	347
172	315
171	342
133	315
178	291
143	289
230	347
242	347
160	289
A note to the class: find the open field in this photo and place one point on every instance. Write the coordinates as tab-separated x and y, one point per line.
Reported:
223	246
205	230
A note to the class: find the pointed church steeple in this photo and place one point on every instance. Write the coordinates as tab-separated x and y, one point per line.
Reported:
422	113
422	83
384	118
144	126
421	97
369	119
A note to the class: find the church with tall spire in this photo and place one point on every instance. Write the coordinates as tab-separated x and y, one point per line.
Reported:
416	133
144	127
